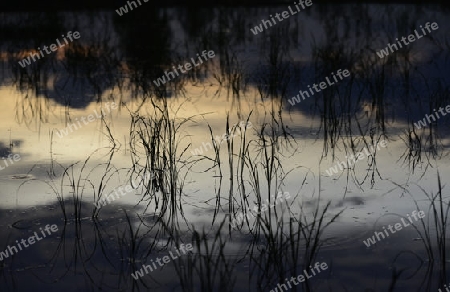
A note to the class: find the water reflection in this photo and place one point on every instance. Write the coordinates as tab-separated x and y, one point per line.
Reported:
194	198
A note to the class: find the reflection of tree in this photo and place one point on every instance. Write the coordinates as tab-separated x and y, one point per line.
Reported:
145	39
197	21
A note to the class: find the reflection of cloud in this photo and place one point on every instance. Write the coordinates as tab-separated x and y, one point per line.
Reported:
5	149
22	176
353	201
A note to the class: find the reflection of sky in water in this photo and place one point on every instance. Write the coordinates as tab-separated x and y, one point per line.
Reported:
250	75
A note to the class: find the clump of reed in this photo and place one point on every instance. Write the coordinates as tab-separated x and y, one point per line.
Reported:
289	246
433	229
208	267
155	148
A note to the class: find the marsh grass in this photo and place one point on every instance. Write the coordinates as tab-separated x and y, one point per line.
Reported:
135	245
260	165
439	212
289	247
340	105
413	154
208	267
155	147
433	231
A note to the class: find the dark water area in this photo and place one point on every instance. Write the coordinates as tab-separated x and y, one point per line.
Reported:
86	5
278	147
